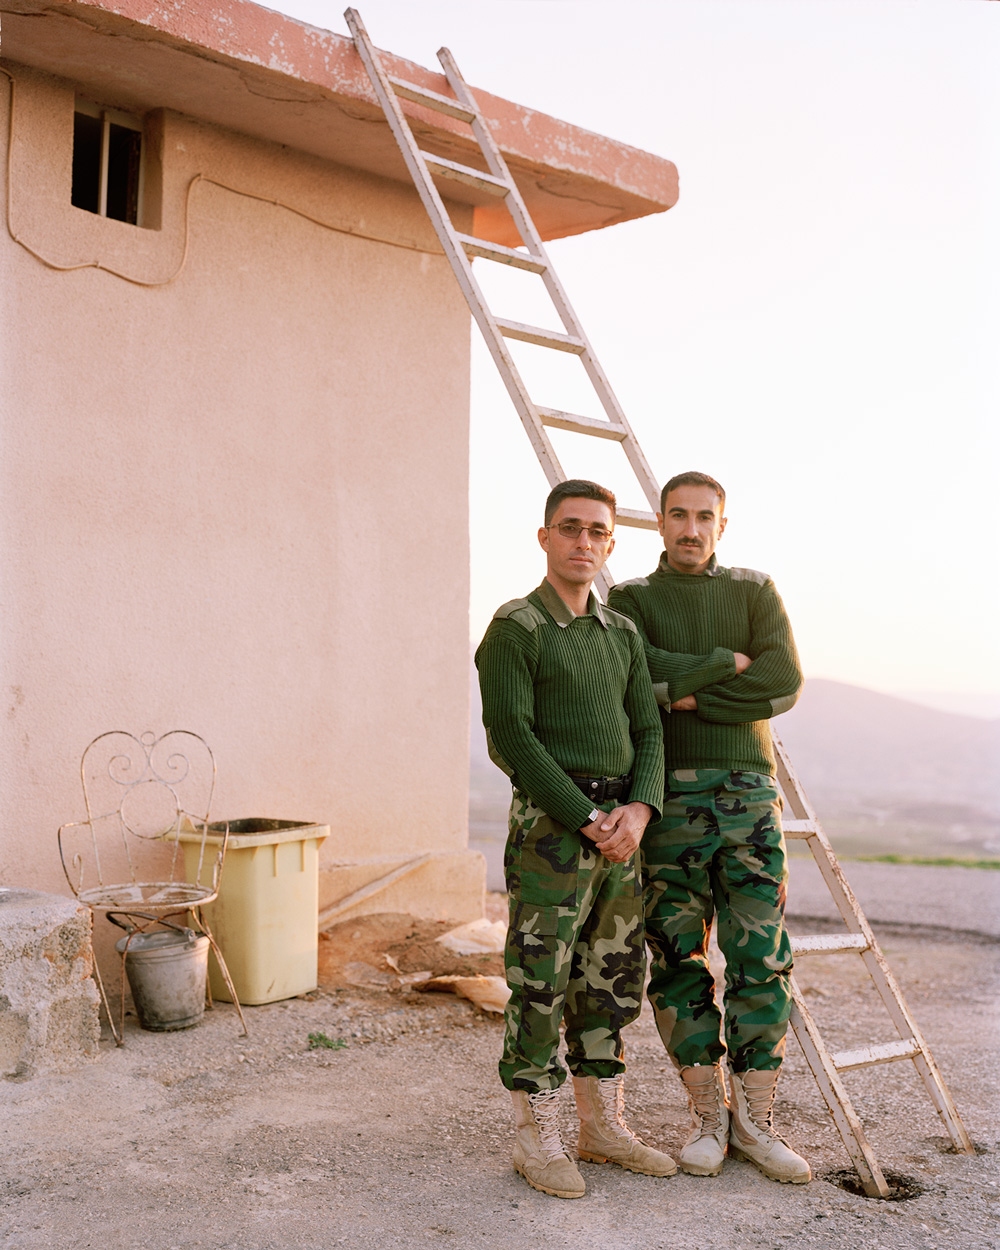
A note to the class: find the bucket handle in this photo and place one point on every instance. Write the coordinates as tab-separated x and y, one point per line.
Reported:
130	929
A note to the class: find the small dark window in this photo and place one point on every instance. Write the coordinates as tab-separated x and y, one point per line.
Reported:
87	132
107	162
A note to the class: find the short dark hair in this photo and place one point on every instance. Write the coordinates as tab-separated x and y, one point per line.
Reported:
691	478
578	488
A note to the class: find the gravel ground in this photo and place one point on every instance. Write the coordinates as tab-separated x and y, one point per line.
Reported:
401	1136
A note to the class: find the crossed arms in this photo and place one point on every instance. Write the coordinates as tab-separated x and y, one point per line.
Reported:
756	678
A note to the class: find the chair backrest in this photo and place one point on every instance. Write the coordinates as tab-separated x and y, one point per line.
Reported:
140	791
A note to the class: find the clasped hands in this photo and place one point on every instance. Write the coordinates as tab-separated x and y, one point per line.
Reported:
619	832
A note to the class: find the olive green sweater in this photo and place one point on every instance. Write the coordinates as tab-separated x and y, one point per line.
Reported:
568	694
691	626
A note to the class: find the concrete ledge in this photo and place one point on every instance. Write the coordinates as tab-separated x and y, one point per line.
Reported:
257	72
48	999
449	886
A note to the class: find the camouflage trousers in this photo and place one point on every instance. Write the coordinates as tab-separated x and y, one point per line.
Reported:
574	952
718	853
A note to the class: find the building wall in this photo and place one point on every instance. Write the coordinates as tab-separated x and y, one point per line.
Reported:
237	502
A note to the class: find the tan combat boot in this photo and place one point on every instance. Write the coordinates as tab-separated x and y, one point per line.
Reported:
751	1133
538	1150
604	1135
705	1148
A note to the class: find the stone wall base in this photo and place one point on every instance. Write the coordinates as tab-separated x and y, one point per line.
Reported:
48	999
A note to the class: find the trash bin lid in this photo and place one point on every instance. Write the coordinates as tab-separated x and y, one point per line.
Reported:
254	831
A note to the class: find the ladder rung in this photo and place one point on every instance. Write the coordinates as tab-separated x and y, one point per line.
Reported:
464	173
637	520
431	99
497	252
799	828
868	1056
542	338
828	944
581	425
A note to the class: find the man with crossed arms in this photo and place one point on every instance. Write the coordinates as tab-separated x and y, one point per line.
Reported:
723	662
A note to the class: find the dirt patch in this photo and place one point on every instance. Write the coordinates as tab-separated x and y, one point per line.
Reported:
347	949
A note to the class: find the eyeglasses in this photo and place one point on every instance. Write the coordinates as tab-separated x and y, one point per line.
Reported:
570	529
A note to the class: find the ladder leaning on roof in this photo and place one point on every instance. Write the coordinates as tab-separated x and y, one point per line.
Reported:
424	167
827	1066
460	249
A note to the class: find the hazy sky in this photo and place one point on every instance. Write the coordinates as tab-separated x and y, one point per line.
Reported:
816	322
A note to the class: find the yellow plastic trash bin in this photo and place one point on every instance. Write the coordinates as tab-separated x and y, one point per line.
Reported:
265	916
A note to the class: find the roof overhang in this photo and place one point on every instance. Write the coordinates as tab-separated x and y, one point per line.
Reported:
258	72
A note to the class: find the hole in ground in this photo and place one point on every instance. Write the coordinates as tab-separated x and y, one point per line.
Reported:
951	1149
900	1187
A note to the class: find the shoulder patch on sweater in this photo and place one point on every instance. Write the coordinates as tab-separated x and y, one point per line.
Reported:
749	575
632	581
521	611
615	620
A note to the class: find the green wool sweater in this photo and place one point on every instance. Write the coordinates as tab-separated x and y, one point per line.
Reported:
691	625
568	694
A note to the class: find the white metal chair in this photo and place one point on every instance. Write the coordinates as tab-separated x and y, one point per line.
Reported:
141	795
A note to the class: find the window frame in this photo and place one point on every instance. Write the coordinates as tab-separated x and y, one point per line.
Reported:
109	117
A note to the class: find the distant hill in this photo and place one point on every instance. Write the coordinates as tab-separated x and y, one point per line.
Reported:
888	775
884	774
846	739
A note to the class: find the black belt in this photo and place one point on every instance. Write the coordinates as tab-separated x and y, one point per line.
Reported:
599	789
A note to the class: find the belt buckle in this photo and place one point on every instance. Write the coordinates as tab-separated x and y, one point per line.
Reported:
599	789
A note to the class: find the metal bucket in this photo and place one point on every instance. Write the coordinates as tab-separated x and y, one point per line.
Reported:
166	974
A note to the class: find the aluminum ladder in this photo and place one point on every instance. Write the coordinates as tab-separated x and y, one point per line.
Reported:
826	1066
424	168
460	248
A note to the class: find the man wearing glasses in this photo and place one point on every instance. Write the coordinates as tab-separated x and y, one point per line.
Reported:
723	662
571	719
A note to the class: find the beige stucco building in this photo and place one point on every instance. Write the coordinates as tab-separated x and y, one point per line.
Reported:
235	425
